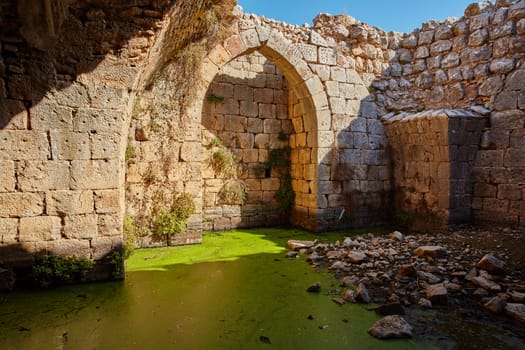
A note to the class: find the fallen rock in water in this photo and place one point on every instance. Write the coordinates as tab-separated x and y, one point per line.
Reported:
495	305
361	294
349	295
291	255
486	284
390	309
490	263
393	326
433	251
517	311
338	301
314	288
355	257
437	294
296	244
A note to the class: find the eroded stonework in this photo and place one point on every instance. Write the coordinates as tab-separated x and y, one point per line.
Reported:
105	118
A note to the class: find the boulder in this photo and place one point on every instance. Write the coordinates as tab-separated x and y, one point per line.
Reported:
397	236
355	257
516	311
349	295
393	326
361	294
433	251
495	305
296	244
314	288
491	264
486	284
437	294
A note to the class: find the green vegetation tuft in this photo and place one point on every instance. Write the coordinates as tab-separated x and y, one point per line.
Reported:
54	270
172	220
223	163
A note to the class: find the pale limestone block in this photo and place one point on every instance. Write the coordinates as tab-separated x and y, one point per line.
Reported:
332	88
40	228
110	225
309	52
337	105
322	71
107	201
278	43
293	55
105	146
23	145
47	115
235	45
69	202
108	95
245	140
351	108
250	38
70	145
272	126
338	74
327	55
190	152
235	123
326	139
101	121
81	226
20	204
69	247
94	174
75	95
8	231
43	175
7	176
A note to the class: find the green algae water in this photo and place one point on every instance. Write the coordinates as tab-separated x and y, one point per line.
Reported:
235	291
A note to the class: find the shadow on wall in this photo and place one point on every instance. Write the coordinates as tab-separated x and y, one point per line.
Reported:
46	45
23	258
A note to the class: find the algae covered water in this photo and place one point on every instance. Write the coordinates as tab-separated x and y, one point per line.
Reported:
235	291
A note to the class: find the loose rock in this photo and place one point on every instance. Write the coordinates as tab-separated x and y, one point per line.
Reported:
432	251
437	294
361	294
486	284
356	257
491	263
495	305
296	244
393	326
349	295
314	288
517	311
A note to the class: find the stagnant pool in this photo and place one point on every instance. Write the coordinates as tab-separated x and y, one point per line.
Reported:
235	291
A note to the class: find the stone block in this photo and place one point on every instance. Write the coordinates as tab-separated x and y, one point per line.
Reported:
514	159
235	123
108	202
510	192
102	247
255	125
190	152
110	225
502	65
244	141
95	174
69	202
21	204
7	176
100	121
8	231
515	80
272	126
513	119
249	109
506	100
13	115
70	145
105	146
327	56
81	226
309	52
69	247
43	175
40	228
267	110
332	89
23	145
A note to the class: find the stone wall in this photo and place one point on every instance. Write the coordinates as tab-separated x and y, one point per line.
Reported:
246	110
434	152
476	60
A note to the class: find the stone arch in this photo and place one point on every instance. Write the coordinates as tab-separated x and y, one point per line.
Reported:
307	88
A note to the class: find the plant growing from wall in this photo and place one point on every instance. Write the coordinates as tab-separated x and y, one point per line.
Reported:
132	231
279	159
130	154
53	270
223	163
233	192
214	98
172	220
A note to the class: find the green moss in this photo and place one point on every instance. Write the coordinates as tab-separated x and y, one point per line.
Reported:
214	98
53	270
130	154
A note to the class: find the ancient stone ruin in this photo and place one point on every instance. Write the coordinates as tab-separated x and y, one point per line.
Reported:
111	110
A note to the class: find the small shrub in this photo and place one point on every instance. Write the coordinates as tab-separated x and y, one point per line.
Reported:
132	231
216	142
117	261
53	270
279	157
173	220
285	195
215	98
233	192
223	163
282	136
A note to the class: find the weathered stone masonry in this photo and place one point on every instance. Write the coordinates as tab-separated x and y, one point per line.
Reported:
97	118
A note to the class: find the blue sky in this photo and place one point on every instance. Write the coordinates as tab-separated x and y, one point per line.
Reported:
390	15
